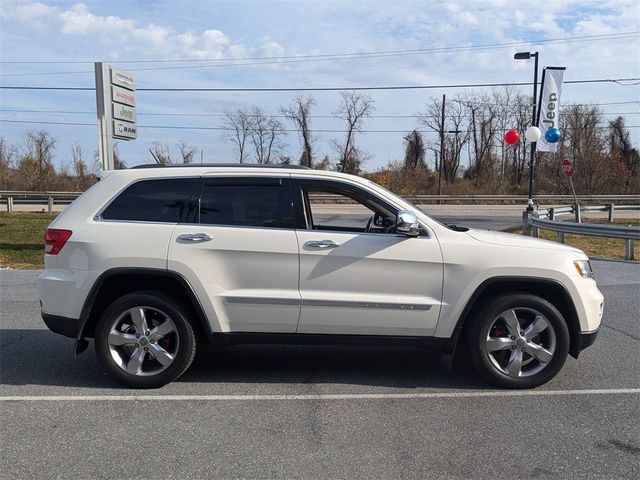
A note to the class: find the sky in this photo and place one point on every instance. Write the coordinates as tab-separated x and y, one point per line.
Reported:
133	35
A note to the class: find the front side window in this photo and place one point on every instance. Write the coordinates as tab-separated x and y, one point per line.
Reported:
346	210
161	200
247	205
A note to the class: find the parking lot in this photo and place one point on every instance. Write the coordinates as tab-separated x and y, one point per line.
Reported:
317	412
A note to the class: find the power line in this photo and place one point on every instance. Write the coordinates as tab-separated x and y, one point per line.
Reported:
318	89
223	115
288	130
352	55
324	58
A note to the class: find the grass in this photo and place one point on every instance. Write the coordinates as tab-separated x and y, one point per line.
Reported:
596	246
21	239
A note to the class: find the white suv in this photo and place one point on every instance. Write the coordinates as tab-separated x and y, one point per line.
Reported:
152	261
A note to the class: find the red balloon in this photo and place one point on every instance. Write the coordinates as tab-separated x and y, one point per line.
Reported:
511	137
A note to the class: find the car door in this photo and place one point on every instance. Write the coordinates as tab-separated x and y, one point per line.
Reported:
240	254
356	275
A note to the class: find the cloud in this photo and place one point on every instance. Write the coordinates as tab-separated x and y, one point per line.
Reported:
26	12
123	35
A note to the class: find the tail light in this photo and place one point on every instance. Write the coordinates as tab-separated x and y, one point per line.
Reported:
55	239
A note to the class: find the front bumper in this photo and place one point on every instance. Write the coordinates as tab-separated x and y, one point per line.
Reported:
581	341
69	327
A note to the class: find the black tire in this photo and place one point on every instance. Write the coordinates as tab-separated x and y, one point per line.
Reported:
499	367
181	337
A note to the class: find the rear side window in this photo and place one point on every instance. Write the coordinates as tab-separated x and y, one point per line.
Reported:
165	200
266	205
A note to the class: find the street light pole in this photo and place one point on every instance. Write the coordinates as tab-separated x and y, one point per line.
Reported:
444	98
534	116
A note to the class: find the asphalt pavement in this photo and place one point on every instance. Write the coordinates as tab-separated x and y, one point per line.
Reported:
317	412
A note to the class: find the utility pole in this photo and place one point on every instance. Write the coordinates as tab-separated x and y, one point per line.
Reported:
444	99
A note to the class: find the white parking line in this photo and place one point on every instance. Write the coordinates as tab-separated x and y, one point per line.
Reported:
336	396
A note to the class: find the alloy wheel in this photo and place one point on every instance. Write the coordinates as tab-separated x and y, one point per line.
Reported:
143	341
521	342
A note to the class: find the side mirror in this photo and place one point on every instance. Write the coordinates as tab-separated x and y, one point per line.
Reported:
407	223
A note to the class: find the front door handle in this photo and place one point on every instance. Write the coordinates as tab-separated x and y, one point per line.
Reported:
324	244
194	237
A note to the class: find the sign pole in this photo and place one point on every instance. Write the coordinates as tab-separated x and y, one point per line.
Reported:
104	114
575	198
567	169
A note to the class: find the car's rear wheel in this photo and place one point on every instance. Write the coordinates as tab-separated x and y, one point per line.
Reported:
144	340
518	341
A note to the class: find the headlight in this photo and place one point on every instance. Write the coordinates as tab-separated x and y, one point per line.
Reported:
584	268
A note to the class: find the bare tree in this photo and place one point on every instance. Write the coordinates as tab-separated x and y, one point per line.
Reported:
299	114
161	152
79	167
239	124
7	153
598	169
415	151
484	128
187	152
354	108
456	133
266	135
621	146
37	161
324	164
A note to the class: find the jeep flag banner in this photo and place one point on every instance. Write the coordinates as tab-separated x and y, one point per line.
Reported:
549	109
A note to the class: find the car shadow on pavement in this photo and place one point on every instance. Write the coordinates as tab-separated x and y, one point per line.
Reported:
39	357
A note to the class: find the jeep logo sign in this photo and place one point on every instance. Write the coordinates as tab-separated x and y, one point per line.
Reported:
124	112
552	103
549	113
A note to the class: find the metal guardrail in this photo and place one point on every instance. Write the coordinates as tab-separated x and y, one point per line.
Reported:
547	221
508	198
52	198
576	210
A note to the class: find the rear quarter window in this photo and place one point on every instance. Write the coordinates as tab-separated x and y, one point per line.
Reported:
162	200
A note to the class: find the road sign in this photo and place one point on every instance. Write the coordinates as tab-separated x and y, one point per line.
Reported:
121	95
567	168
124	112
122	79
124	130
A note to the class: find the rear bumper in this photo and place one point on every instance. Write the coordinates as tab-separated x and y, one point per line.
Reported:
581	341
69	327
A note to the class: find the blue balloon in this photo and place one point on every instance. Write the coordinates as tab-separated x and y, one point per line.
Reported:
552	135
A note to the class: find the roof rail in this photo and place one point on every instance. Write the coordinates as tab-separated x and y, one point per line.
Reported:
216	165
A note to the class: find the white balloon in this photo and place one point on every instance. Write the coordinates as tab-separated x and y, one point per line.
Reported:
533	134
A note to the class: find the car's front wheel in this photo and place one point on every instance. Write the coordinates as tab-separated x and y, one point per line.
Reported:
518	341
144	340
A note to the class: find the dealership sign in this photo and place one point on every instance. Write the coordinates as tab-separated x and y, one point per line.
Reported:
116	109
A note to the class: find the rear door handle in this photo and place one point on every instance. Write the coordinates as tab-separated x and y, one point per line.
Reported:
324	244
194	237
